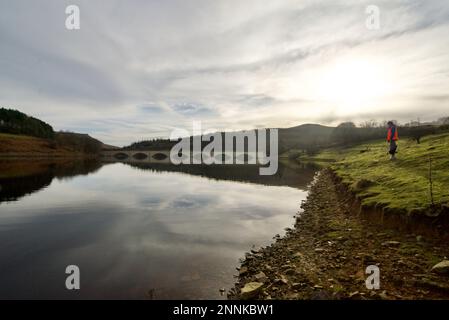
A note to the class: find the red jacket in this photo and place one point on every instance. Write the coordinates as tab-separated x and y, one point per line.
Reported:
393	131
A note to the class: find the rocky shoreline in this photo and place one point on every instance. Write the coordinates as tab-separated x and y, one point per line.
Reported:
326	254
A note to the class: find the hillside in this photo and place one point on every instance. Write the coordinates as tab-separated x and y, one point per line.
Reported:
299	137
305	136
25	136
401	186
311	138
16	122
62	145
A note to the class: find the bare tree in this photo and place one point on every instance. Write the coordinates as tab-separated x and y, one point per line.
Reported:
369	124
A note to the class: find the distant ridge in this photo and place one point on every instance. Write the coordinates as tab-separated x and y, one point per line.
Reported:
302	136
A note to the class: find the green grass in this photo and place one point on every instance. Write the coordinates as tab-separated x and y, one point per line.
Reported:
401	184
15	136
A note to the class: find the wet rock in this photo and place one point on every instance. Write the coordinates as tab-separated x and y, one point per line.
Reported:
292	296
433	285
394	244
290	272
368	259
383	295
297	255
297	285
251	290
243	270
248	257
281	281
261	277
441	267
403	264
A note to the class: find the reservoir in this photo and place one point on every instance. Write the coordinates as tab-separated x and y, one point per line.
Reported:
137	231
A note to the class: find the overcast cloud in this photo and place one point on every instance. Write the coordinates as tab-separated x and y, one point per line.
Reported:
137	69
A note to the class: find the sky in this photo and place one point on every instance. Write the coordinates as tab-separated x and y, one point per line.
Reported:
139	69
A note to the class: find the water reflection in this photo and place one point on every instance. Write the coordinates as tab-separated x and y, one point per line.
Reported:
21	177
137	232
288	174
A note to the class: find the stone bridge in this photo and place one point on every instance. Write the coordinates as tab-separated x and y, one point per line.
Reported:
159	156
163	156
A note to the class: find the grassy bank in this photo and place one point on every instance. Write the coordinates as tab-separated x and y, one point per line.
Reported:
62	145
401	185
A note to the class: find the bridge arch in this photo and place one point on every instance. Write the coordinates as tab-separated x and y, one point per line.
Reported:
159	156
140	156
121	156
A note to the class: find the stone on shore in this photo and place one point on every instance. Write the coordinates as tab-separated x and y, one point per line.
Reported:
441	267
391	244
243	270
261	277
251	290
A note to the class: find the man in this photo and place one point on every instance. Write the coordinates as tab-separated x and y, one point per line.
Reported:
392	137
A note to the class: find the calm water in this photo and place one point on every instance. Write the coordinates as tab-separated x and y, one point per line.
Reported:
136	232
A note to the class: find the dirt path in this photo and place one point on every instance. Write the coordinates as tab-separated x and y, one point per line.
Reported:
326	254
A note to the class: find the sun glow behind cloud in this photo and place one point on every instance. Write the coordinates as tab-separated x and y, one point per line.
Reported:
352	82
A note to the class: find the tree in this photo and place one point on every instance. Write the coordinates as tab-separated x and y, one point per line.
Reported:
418	132
443	121
16	122
369	124
345	133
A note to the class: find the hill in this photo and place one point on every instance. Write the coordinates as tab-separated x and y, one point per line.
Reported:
415	184
16	122
310	138
61	145
25	136
305	136
300	137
